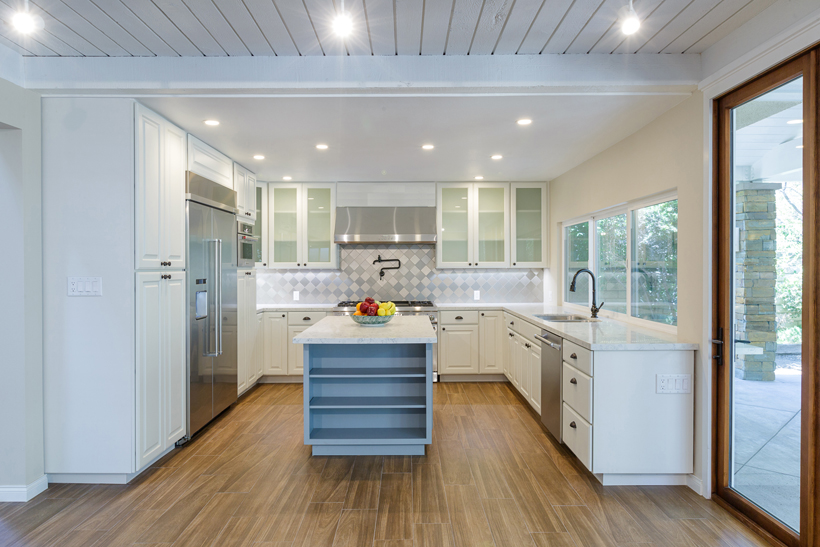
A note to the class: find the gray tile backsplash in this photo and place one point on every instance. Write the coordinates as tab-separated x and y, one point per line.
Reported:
418	279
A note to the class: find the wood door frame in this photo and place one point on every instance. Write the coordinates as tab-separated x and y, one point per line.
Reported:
807	66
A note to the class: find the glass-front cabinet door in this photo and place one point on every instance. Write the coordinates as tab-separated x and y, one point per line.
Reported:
284	222
529	225
454	225
491	225
319	249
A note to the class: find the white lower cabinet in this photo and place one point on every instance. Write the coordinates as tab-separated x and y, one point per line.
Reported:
491	338
246	324
160	360
259	346
535	377
523	361
459	349
275	353
296	356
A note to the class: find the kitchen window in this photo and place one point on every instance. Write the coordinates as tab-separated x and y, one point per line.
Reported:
633	251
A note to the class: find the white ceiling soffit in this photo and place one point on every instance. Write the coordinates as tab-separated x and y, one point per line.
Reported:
219	28
380	138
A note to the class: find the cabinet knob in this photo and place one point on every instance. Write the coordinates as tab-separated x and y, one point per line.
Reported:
512	322
572	425
167	263
264	263
511	334
469	263
573	356
283	315
298	264
482	315
442	328
459	318
513	263
476	263
573	381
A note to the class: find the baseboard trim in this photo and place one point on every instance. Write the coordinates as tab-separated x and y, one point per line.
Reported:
617	479
694	482
90	478
25	493
280	380
471	377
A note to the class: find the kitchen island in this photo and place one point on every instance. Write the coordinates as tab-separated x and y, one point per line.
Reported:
368	390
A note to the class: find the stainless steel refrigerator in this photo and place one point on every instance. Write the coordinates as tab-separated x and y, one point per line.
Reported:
211	274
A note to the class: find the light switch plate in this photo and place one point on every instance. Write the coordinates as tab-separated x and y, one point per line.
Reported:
85	286
295	295
476	295
673	383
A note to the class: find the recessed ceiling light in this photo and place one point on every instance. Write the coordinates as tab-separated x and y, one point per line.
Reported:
343	24
630	21
496	157
259	157
479	177
794	122
287	178
25	22
524	121
427	146
211	122
321	146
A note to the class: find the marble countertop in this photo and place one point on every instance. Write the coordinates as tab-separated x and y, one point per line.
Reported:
605	335
403	329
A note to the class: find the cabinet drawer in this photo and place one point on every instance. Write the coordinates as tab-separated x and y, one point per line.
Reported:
578	357
305	317
577	435
459	317
577	391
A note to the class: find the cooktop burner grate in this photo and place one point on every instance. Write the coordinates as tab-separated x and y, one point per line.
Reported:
398	303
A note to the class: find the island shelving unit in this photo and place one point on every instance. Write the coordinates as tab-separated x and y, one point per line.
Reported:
368	390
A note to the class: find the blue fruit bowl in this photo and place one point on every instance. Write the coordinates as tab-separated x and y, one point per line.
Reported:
372	320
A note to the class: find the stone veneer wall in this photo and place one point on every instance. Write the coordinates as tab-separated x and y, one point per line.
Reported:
418	279
756	276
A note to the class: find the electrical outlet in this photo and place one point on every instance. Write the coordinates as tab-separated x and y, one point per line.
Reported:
476	295
85	286
295	296
673	383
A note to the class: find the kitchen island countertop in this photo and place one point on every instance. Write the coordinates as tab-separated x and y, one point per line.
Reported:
340	329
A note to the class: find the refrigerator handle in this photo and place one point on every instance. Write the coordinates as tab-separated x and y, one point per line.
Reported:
218	268
212	347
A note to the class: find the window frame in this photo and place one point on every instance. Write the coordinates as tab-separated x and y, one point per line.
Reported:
623	208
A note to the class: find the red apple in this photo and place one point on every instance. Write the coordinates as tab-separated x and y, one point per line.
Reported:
369	300
372	310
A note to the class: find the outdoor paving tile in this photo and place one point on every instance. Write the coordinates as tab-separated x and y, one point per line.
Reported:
776	493
782	453
754	427
782	394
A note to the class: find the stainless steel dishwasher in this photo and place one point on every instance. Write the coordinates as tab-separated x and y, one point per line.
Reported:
551	365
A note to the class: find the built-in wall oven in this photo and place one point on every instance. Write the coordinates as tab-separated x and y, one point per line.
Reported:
246	246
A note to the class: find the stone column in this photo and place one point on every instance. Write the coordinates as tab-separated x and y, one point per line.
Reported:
756	275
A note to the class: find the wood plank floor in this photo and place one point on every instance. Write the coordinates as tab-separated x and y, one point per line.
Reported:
492	477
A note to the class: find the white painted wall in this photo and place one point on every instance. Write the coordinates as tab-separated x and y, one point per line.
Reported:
21	362
664	155
88	230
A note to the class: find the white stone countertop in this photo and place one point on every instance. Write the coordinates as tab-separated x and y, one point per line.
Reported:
403	329
604	335
294	307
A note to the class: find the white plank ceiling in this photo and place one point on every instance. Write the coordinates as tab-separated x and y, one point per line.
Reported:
192	28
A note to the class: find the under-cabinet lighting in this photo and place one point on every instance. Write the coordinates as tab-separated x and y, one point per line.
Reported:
287	178
479	178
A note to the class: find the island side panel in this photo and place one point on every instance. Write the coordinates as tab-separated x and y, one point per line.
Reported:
429	390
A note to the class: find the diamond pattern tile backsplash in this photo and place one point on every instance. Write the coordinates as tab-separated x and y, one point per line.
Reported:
418	279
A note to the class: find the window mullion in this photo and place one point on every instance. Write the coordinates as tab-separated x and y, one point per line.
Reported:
629	262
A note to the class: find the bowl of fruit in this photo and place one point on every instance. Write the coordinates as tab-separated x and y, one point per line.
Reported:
372	313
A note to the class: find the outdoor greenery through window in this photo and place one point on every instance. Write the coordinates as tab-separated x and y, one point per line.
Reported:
646	285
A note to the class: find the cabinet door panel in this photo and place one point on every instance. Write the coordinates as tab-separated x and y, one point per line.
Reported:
491	226
285	229
454	248
491	334
459	349
209	162
241	334
175	358
240	184
523	367
259	345
173	203
319	214
296	355
250	196
535	377
276	344
149	378
149	189
529	226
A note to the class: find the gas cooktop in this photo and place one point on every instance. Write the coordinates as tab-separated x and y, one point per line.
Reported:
400	304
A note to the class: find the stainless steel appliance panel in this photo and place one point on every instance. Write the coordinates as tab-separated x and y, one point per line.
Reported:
246	246
551	366
226	363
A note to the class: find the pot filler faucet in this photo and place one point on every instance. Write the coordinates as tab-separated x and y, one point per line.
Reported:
380	259
594	309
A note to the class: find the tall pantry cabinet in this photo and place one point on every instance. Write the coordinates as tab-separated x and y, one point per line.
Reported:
114	363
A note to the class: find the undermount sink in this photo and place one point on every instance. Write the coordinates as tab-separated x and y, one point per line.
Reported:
566	318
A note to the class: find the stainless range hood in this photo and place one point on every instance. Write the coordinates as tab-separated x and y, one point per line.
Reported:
370	225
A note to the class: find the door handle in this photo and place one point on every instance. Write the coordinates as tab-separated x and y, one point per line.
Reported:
547	342
218	263
212	347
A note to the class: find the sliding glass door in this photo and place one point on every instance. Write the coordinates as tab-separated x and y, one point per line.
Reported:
765	329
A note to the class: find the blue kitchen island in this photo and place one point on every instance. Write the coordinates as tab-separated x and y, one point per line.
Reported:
368	390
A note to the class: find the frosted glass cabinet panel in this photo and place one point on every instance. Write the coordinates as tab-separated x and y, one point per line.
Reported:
491	225
284	223
301	223
529	225
454	225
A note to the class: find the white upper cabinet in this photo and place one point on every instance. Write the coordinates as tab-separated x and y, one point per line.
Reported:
529	226
207	161
474	225
159	191
300	227
245	185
